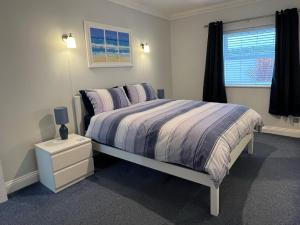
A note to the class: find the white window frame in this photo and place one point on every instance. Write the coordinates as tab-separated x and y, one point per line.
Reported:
244	26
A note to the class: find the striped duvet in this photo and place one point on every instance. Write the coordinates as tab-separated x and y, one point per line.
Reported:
194	134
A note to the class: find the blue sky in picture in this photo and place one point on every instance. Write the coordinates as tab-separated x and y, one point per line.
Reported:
111	37
123	39
97	36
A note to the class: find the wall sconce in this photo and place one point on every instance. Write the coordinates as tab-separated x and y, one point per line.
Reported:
69	40
145	47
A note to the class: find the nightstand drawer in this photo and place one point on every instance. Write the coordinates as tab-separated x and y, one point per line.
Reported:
72	156
73	173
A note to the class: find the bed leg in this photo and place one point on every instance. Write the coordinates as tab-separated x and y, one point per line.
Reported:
214	201
250	146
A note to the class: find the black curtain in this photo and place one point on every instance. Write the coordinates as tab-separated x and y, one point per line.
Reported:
285	89
214	85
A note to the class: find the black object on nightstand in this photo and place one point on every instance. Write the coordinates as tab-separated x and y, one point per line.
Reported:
61	118
161	93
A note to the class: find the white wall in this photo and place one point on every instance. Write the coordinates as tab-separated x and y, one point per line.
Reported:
189	41
39	73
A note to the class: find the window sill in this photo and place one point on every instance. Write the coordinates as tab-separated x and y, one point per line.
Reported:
247	86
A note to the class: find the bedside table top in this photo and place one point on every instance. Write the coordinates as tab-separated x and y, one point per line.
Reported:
57	145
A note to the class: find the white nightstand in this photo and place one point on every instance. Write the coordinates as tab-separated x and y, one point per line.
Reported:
62	163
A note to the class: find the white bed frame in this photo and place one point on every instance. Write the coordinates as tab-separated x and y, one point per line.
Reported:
187	174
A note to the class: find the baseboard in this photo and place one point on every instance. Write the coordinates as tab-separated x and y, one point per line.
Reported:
21	182
282	131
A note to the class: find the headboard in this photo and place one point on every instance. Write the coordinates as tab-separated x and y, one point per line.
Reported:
79	114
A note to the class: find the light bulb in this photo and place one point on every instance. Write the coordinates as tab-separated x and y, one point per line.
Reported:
146	48
69	40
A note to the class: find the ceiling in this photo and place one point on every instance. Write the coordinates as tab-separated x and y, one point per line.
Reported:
173	9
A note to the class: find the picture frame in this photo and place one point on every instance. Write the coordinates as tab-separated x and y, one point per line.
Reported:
107	46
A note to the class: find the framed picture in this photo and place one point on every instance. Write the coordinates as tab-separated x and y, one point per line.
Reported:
107	46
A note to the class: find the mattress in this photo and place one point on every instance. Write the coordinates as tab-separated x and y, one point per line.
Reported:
195	134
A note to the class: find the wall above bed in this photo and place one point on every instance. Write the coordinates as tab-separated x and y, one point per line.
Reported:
39	73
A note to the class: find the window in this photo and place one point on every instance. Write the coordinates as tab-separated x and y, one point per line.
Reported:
249	57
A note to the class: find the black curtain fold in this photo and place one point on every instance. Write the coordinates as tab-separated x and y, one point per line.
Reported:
285	89
214	85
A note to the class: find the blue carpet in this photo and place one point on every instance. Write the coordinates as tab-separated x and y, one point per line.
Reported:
262	189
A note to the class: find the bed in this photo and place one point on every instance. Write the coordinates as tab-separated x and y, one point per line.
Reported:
193	140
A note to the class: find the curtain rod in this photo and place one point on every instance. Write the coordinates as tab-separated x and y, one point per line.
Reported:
246	19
